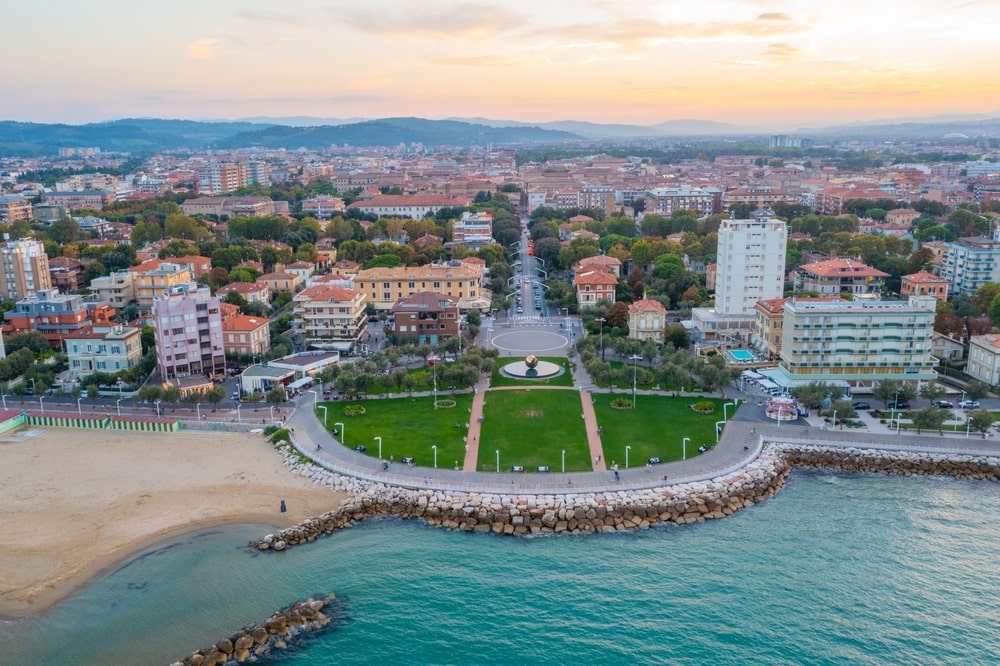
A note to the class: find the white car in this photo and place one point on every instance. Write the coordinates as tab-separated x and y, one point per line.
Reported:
969	404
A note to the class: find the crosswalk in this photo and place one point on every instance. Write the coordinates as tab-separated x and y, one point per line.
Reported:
532	320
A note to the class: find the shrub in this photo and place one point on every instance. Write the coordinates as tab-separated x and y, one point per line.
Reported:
354	410
704	407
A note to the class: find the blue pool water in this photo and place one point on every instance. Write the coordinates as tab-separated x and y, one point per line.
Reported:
741	354
834	570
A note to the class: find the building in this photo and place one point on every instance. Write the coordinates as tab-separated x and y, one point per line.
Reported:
647	320
413	206
473	230
384	286
67	275
252	292
155	283
751	264
330	317
924	284
426	317
118	288
248	336
835	276
601	262
701	201
25	269
103	348
80	200
14	207
984	358
233	206
858	342
969	263
323	207
223	178
280	281
187	322
594	286
56	316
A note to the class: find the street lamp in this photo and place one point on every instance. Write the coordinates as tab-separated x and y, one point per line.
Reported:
272	413
315	398
684	448
835	419
157	404
601	319
40	405
323	407
79	407
379	440
498	461
725	416
32	379
635	369
239	417
564	461
4	398
118	404
435	447
343	439
627	449
197	407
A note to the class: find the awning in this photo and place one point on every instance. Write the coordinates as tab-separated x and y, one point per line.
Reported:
301	383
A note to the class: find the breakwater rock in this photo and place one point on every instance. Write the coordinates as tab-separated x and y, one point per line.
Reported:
898	463
515	514
251	643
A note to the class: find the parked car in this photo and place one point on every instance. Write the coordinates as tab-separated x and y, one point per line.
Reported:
969	404
943	404
860	405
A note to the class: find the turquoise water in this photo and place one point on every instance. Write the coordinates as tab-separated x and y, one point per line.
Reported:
834	570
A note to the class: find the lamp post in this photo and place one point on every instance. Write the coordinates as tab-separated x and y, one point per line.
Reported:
725	415
343	440
835	419
40	405
635	369
197	407
601	319
32	384
498	461
435	447
315	398
79	407
4	399
118	405
718	430
379	440
684	448
121	388
272	413
564	461
239	417
157	405
323	407
963	398
627	449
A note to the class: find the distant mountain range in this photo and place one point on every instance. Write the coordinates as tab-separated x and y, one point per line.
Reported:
150	135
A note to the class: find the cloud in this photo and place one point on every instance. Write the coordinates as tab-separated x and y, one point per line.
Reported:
780	50
274	18
203	48
487	60
473	21
774	16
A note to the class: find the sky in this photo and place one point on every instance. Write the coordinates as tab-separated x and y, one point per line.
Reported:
745	62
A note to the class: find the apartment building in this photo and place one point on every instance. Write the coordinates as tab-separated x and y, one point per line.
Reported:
14	207
704	201
330	317
249	336
594	286
402	205
427	317
858	342
647	320
187	322
103	348
118	288
252	292
473	229
969	263
223	178
25	269
924	284
751	264
984	358
233	206
152	284
384	286
82	200
56	316
834	276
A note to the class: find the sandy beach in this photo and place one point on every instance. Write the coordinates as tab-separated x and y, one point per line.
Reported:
75	502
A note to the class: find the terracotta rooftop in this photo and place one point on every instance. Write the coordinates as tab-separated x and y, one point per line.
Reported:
841	268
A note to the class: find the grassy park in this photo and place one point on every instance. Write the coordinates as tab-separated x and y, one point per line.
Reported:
563	379
532	428
655	428
409	427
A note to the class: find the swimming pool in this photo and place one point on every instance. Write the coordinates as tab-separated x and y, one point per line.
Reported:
742	355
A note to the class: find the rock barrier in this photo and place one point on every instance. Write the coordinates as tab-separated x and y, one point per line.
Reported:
613	510
253	642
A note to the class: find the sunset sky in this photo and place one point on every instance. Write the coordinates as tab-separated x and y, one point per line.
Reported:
747	62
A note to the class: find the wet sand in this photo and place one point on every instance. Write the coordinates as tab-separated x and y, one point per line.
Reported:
74	503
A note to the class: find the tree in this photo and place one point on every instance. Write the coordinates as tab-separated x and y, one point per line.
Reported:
930	418
813	394
980	420
977	390
276	396
150	393
984	297
617	316
65	230
885	391
215	395
93	391
172	394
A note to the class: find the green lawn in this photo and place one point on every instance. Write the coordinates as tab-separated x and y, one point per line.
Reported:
409	427
532	428
564	379
655	428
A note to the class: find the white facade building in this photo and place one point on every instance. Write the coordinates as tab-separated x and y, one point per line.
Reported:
751	264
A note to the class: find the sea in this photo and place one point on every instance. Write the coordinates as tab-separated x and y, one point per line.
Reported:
835	569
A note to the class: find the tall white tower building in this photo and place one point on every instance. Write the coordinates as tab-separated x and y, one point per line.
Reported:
751	264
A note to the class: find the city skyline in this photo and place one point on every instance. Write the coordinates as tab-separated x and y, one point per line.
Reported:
780	65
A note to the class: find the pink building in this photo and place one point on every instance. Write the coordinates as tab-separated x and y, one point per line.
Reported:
187	323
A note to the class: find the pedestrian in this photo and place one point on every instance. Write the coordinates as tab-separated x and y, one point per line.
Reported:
595	459
617	475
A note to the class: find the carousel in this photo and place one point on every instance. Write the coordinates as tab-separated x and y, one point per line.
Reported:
782	409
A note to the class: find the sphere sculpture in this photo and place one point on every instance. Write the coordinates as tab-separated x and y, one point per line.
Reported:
531	361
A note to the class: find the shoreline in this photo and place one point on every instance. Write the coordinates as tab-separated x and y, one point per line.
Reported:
77	504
